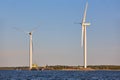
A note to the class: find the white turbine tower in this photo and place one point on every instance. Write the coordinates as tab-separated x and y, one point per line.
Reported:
83	37
30	51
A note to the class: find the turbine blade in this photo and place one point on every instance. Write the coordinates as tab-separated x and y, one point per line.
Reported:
84	16
34	29
20	30
82	36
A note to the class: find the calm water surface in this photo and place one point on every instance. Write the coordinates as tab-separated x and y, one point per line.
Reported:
59	75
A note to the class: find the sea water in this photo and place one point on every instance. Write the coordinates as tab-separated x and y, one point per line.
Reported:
59	75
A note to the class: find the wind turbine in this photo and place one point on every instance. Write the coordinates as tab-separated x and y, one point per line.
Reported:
30	45
83	36
30	48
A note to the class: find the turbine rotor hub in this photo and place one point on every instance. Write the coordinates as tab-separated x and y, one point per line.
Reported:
30	33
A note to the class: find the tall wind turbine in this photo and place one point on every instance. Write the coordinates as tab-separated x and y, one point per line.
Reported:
30	45
83	37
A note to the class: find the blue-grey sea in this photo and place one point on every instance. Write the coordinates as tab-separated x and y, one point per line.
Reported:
59	75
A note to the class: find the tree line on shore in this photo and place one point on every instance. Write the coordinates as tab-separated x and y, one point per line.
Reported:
62	67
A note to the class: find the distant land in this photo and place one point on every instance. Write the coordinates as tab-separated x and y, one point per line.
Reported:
62	67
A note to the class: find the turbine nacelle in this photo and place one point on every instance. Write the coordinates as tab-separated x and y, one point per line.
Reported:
85	24
30	33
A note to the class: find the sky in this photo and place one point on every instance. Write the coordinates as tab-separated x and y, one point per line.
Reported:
57	40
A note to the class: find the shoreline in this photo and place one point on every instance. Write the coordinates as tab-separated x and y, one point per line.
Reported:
66	68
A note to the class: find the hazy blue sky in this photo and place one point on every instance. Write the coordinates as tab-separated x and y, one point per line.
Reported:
57	40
